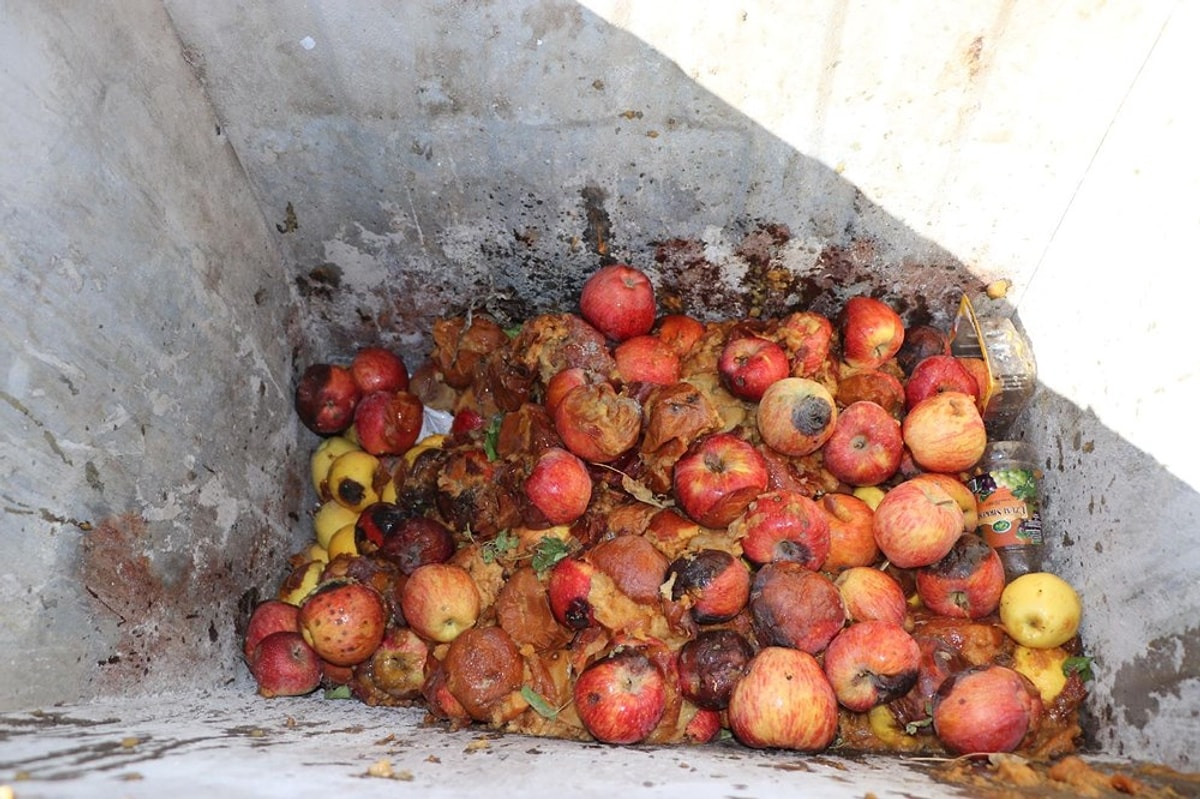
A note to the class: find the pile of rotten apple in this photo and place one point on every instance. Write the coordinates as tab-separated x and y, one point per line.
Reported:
644	528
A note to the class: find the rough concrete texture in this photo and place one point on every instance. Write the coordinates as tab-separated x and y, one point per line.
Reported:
422	158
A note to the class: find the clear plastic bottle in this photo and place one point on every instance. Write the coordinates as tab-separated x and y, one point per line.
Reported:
1006	486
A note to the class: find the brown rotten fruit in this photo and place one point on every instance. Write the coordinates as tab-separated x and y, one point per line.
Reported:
712	582
710	664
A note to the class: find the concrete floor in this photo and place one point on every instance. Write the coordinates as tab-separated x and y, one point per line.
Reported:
234	744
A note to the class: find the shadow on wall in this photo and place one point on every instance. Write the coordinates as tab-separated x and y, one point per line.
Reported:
418	160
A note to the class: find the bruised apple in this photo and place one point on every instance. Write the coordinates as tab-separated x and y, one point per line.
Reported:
717	478
986	709
870	663
388	422
680	332
806	336
748	365
966	583
646	359
920	342
870	594
326	397
871	332
872	385
621	697
945	432
712	583
596	423
618	300
416	541
916	523
783	525
794	607
343	621
796	416
865	446
784	701
710	664
634	565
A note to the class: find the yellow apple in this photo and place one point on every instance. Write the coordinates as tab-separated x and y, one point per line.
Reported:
870	495
351	479
323	457
342	542
300	582
1044	668
1040	610
331	517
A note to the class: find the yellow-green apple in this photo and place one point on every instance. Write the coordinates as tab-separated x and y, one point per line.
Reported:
784	701
783	525
378	369
796	416
874	385
749	364
872	332
353	479
945	433
966	583
283	664
646	359
1040	610
851	532
416	541
920	342
559	486
596	423
870	663
795	607
916	523
569	589
936	374
621	697
388	422
680	332
439	601
710	664
806	337
323	457
618	300
343	621
870	594
269	616
717	478
865	447
484	672
325	398
712	583
634	565
960	492
985	709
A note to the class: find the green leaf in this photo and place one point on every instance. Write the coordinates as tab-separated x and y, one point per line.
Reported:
549	551
1079	665
514	331
503	544
338	692
492	436
540	705
913	727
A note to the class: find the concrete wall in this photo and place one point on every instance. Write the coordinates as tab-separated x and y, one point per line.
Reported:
146	326
418	158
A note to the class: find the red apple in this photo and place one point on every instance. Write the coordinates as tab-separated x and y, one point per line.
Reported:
621	697
618	300
784	701
417	540
939	660
343	621
439	601
916	523
569	591
598	424
792	606
871	332
851	532
966	583
986	709
646	359
378	369
559	486
959	491
284	665
806	337
388	422
711	582
978	369
703	727
749	364
783	525
467	420
375	523
936	374
718	477
326	397
796	416
865	447
680	332
870	594
874	385
269	616
945	432
870	663
920	342
710	664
